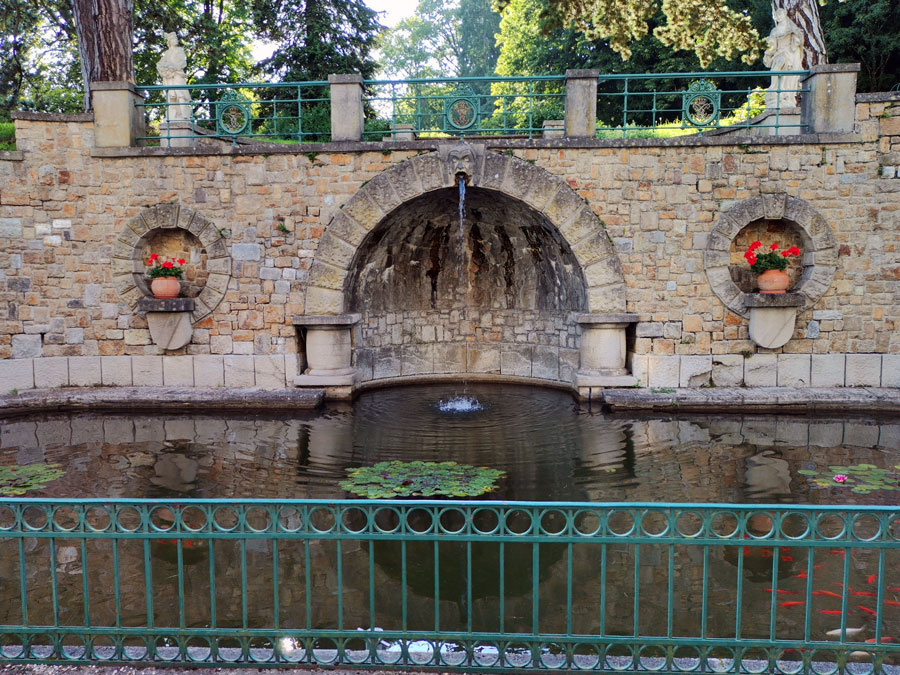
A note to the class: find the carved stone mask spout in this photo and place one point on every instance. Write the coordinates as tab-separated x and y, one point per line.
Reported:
462	163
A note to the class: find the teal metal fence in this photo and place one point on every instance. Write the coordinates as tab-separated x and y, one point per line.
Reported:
452	585
273	112
470	106
674	104
643	105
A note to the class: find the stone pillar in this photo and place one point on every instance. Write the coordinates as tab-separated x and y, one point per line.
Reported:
169	320
404	132
347	118
829	105
603	352
117	121
581	103
328	353
772	317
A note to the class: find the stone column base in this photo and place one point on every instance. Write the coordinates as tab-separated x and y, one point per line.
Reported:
328	354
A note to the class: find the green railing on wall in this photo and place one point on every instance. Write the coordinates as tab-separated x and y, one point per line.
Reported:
269	112
446	585
466	106
675	104
628	105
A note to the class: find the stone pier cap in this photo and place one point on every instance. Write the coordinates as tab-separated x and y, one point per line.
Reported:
599	319
325	320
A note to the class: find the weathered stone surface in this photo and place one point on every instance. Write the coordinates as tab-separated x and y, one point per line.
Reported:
416	359
209	370
482	359
85	371
695	371
269	372
863	370
16	374
663	371
516	361
51	372
544	362
26	346
450	358
794	370
761	370
890	370
178	371
239	371
116	371
147	371
827	370
727	370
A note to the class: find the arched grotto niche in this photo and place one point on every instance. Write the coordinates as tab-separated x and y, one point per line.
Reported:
495	295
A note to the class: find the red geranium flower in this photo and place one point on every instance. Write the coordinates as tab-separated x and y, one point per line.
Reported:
153	256
773	247
181	261
168	264
755	245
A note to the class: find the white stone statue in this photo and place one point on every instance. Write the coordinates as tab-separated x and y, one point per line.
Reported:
171	67
784	52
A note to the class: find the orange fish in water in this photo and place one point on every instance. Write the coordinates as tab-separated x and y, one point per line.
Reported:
791	603
883	639
802	575
819	566
837	551
830	594
787	558
868	593
892	603
866	609
894	588
872	578
782	591
833	612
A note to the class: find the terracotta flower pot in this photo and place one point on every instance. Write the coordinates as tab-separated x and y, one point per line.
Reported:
165	287
773	281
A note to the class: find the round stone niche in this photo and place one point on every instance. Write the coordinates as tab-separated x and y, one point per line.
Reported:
172	231
778	219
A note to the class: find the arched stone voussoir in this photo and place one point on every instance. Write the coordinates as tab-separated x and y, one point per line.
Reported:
346	229
325	275
323	301
563	205
595	248
364	209
608	299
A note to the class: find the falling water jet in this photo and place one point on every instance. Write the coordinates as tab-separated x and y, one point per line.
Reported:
460	404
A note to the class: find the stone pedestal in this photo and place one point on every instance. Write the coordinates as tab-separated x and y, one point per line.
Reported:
603	352
772	318
328	351
117	121
169	321
404	132
347	116
581	103
829	104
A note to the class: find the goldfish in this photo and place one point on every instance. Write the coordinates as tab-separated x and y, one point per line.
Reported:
833	612
792	603
869	593
830	594
872	578
782	591
866	609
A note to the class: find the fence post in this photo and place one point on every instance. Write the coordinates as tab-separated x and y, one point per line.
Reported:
117	121
347	119
581	102
830	103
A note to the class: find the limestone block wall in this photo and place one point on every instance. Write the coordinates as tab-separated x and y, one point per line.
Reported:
65	209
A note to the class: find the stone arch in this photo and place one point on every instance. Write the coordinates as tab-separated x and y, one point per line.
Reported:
819	257
129	268
518	179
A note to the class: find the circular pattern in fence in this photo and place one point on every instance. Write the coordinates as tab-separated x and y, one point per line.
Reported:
820	257
129	268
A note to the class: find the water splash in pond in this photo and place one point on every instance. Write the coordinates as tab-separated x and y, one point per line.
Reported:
460	404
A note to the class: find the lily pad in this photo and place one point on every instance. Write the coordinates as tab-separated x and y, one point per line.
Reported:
859	478
16	480
386	480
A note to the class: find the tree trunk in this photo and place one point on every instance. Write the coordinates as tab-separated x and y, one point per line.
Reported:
104	29
805	13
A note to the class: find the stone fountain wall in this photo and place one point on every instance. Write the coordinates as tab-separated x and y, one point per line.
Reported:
287	226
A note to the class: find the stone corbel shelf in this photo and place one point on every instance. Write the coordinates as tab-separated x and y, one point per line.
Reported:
603	351
328	350
773	317
169	320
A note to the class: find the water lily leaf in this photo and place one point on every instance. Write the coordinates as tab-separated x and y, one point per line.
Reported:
420	478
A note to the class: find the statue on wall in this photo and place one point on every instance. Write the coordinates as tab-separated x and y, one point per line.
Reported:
171	67
784	52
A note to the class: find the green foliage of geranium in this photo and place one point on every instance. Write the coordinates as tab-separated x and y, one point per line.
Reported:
385	480
16	480
860	478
